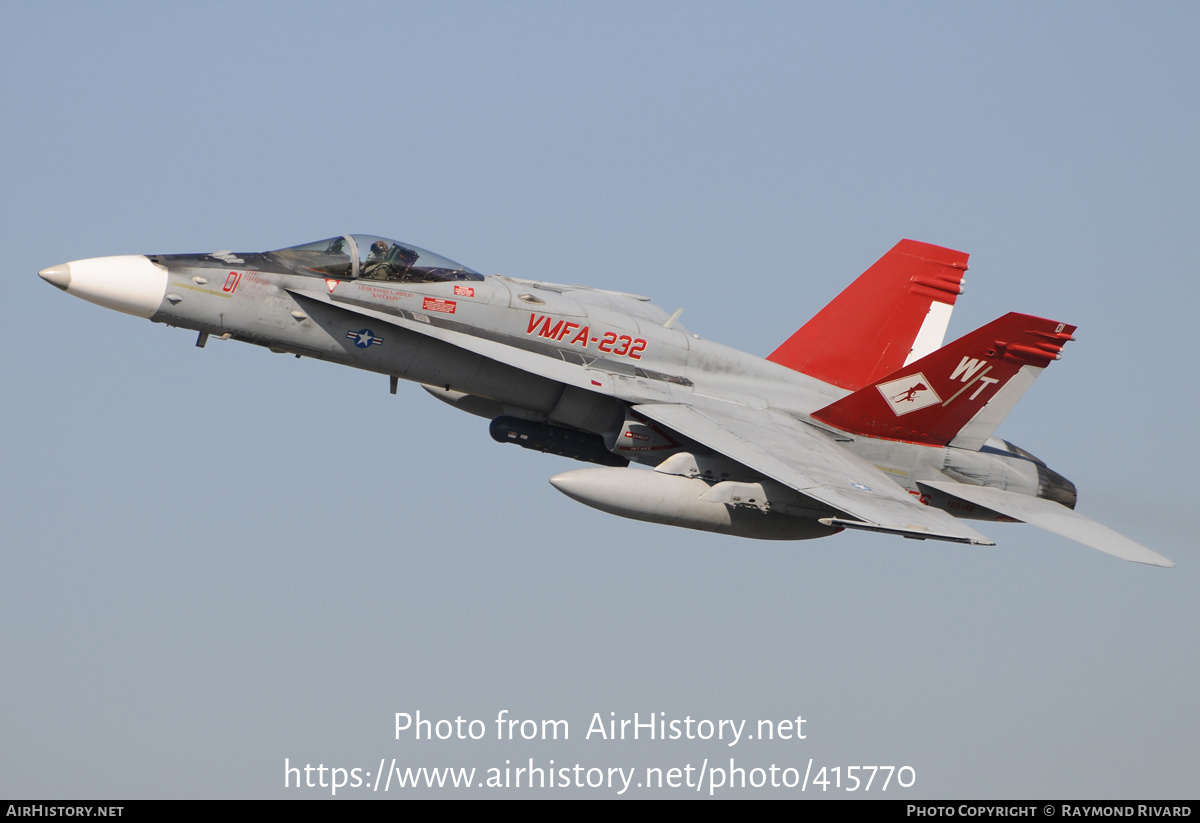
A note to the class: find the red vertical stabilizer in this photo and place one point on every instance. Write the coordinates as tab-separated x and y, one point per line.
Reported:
870	329
932	400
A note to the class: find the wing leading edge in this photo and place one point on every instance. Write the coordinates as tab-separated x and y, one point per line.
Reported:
798	456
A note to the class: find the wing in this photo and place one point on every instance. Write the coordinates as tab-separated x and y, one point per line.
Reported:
1053	517
799	456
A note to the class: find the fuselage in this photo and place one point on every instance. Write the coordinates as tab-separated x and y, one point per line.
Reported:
463	336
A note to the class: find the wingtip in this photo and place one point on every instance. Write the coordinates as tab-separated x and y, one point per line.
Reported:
1160	561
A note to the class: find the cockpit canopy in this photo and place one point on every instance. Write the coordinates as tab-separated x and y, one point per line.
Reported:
366	257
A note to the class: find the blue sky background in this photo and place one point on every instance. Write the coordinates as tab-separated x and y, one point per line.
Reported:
217	559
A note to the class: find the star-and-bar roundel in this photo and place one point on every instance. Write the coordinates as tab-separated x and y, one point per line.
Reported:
364	338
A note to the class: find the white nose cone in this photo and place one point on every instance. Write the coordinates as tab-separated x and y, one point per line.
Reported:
128	283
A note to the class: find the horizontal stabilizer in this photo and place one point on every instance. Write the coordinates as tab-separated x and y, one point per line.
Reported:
895	312
1053	517
960	393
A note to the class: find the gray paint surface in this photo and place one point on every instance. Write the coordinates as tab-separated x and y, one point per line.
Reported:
215	559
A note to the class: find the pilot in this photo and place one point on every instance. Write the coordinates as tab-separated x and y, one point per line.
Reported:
376	267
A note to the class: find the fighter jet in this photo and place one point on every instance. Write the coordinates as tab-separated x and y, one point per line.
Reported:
860	420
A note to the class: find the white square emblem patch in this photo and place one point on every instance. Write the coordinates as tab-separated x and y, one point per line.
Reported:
908	394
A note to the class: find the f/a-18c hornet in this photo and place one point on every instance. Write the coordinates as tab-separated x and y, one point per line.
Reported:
860	420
